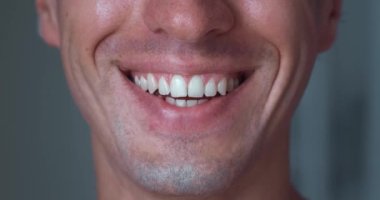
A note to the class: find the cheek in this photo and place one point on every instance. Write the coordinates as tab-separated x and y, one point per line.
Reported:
95	14
85	24
289	26
283	23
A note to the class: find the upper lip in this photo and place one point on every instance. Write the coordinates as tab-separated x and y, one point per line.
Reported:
170	65
178	57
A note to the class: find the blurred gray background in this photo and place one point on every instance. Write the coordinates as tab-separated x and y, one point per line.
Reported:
45	151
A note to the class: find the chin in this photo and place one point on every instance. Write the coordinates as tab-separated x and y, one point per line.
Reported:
180	166
181	173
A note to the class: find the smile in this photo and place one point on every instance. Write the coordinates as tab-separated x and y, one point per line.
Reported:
187	91
177	101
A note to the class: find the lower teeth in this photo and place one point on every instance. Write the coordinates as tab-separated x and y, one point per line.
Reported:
183	102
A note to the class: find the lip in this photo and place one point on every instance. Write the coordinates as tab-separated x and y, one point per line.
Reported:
169	120
185	65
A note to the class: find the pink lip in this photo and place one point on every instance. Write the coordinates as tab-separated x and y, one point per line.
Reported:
174	65
171	120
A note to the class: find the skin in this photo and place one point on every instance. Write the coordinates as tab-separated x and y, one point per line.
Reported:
235	148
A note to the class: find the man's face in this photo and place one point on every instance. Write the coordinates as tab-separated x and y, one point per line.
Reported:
182	94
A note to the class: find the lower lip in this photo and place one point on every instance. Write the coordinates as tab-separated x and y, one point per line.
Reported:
171	120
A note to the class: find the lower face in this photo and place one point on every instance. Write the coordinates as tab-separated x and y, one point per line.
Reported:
178	117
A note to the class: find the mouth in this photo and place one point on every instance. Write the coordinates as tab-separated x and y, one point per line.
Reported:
187	91
192	102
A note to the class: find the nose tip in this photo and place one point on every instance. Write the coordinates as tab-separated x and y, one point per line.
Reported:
188	20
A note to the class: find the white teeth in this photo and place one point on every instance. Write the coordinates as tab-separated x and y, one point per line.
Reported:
222	87
143	84
152	84
184	103
170	100
163	87
196	87
178	86
180	103
191	103
210	89
137	81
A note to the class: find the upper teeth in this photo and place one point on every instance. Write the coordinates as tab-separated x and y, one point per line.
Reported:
195	87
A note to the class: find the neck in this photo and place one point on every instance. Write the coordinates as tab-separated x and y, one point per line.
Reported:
267	178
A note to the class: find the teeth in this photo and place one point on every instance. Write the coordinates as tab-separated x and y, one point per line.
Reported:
191	103
163	87
137	81
143	84
152	84
180	103
196	87
222	87
170	100
184	103
210	89
178	86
